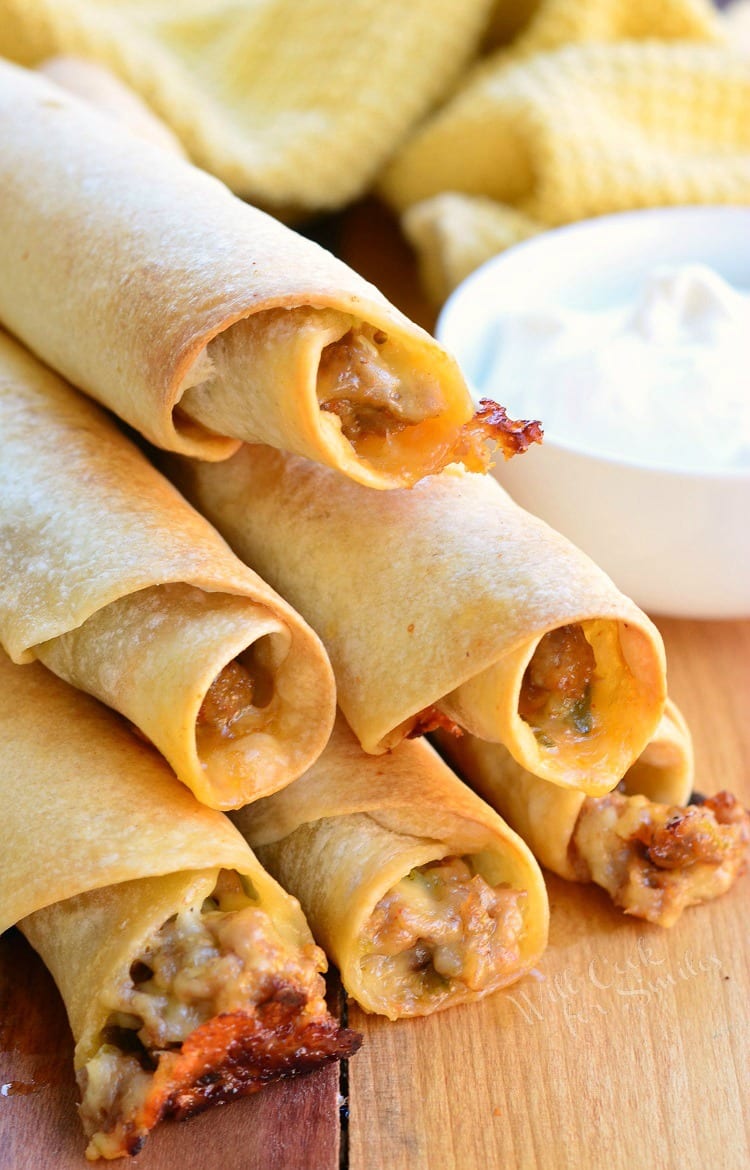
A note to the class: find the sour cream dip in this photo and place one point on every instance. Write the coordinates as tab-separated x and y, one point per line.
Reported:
663	379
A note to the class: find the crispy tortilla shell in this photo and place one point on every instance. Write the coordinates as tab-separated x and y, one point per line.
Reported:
545	814
112	579
101	847
197	318
354	825
432	603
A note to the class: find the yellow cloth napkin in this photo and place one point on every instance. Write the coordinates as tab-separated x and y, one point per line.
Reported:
295	104
597	106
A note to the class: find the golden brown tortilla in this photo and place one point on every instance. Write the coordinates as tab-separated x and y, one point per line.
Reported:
354	826
433	602
198	319
119	586
101	848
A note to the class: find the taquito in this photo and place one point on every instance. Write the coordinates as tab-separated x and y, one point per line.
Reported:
119	586
447	602
416	889
642	843
189	976
202	321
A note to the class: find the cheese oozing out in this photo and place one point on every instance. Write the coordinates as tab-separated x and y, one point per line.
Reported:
215	1004
441	933
380	394
556	692
656	859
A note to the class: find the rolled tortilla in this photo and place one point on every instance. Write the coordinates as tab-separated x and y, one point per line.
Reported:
650	852
120	587
417	890
665	769
202	321
188	975
447	602
104	90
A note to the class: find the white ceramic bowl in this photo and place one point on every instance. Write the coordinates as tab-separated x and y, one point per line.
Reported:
676	541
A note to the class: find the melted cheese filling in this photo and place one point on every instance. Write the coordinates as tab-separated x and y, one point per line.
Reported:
440	933
221	956
556	692
655	859
356	371
240	700
362	382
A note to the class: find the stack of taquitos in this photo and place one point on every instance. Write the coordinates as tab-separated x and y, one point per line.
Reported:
447	602
188	975
120	587
416	889
444	603
202	321
642	843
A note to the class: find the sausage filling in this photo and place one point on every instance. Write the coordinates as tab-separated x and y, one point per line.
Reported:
442	932
370	382
239	701
656	859
359	381
378	393
555	697
215	1005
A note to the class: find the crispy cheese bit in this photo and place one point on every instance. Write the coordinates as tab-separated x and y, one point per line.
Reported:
216	1005
656	859
555	697
238	701
440	933
376	393
489	429
360	381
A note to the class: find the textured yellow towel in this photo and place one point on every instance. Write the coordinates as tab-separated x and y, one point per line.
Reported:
596	106
295	104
